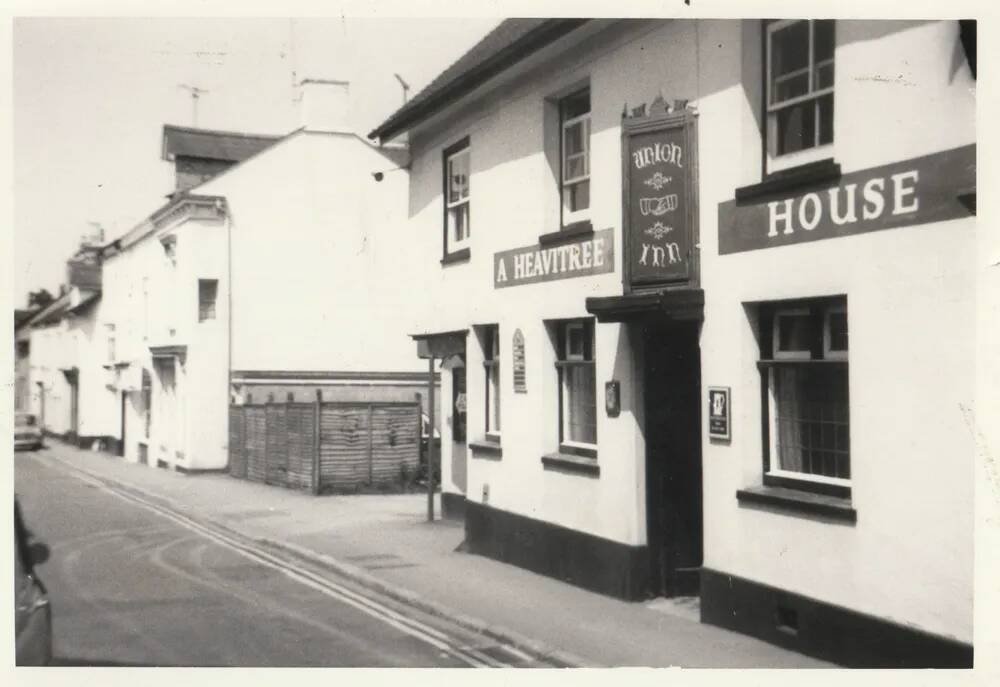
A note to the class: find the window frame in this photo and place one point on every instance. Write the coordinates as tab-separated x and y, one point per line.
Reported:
455	250
202	303
818	151
773	473
491	367
566	359
573	217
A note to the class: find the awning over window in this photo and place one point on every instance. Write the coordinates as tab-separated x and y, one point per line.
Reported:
678	305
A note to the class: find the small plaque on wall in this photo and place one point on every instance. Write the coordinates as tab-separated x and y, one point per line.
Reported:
613	398
520	384
719	424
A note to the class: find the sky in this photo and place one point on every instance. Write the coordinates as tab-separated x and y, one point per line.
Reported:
91	95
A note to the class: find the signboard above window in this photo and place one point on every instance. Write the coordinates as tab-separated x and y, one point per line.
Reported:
659	203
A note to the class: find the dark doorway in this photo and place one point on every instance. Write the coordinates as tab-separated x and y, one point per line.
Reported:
673	457
121	444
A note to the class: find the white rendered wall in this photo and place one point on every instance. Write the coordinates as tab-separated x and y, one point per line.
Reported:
320	258
911	295
911	308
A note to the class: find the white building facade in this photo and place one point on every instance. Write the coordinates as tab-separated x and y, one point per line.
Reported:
266	280
709	289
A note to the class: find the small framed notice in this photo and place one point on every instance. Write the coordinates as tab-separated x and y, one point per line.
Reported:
719	423
520	383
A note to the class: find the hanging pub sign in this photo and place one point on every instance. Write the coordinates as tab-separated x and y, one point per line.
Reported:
659	176
931	188
520	384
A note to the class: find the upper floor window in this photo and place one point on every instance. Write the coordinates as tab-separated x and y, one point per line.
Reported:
804	369
574	119
208	290
799	91
456	196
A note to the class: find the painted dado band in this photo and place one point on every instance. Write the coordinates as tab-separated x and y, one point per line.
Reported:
917	191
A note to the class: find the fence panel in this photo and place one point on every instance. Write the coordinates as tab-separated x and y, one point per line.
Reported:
358	444
256	443
277	445
395	444
301	453
343	446
237	444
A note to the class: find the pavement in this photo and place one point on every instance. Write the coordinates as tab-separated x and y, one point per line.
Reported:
384	542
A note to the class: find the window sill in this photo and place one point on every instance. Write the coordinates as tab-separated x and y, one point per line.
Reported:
486	449
570	231
799	501
789	179
567	462
458	256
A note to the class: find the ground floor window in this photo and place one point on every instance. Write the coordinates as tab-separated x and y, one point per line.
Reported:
490	340
804	373
577	384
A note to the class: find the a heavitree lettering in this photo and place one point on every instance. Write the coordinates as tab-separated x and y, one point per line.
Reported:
669	153
806	212
543	262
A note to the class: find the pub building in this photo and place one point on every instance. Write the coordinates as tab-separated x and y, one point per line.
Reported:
703	298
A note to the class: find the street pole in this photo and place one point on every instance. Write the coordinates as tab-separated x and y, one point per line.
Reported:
430	441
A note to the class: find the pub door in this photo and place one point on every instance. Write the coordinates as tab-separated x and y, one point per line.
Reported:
673	457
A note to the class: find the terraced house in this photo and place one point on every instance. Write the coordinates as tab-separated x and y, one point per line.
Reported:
704	293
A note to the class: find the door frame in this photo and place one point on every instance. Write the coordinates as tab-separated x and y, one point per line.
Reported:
666	578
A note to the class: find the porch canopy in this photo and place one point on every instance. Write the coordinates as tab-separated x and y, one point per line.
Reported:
440	345
676	305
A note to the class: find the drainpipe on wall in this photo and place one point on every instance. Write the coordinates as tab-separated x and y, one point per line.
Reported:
229	320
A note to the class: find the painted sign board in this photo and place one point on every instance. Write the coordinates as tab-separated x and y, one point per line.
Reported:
719	426
658	197
931	188
592	254
520	383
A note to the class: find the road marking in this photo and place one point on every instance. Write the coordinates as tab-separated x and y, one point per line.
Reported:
421	631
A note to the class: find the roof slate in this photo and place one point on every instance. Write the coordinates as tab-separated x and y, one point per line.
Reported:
213	145
507	44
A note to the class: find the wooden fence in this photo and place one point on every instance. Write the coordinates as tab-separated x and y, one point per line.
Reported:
325	446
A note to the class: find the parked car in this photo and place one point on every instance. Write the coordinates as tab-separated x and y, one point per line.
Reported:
27	433
32	612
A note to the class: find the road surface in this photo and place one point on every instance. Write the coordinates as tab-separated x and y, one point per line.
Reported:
131	586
